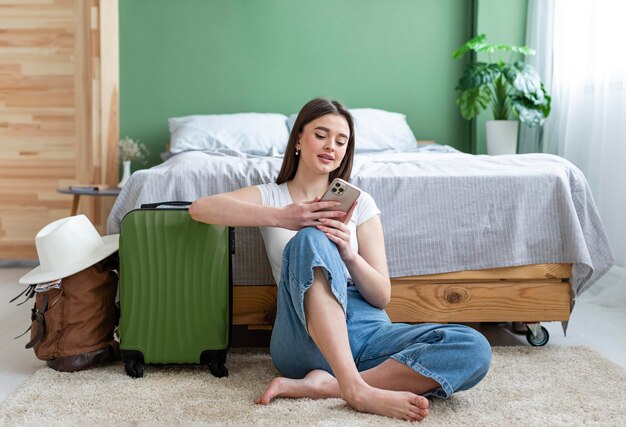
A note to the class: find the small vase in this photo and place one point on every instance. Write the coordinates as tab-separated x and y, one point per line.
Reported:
125	174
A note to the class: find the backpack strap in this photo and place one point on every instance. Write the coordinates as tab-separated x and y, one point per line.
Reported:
28	292
38	316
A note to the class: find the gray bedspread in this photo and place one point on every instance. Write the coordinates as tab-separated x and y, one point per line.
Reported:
441	212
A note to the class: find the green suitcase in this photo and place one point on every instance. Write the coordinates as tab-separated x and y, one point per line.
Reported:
175	289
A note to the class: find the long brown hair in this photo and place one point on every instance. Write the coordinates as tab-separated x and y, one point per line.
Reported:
312	110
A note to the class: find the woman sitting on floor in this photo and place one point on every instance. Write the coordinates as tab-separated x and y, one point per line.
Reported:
332	337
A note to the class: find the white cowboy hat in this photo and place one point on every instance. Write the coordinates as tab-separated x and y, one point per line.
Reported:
67	246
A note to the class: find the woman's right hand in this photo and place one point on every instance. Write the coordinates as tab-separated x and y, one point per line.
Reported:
307	214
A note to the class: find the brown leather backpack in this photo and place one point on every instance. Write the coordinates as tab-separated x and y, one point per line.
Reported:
73	326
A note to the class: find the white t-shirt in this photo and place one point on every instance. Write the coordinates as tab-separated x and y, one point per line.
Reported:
276	238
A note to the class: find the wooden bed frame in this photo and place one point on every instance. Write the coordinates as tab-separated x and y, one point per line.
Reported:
529	294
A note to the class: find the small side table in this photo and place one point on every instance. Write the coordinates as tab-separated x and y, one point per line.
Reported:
85	190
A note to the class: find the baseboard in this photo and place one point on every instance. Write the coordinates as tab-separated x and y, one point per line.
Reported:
12	263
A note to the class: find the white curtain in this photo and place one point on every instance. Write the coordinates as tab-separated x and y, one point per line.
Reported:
581	58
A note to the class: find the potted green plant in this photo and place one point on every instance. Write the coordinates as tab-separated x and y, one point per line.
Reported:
511	89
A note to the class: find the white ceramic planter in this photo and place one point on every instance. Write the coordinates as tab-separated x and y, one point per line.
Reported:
501	137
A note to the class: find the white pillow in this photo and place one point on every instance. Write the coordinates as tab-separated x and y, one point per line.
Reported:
377	130
251	133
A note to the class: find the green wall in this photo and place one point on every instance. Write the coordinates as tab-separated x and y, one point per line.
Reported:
223	56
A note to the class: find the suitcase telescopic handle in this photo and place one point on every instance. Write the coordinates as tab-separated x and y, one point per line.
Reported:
156	205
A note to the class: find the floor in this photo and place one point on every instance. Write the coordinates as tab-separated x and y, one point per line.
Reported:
594	323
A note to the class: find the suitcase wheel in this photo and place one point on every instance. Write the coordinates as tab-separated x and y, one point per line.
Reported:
218	370
133	368
215	359
133	363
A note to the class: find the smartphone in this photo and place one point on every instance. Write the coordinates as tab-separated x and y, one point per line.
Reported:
340	191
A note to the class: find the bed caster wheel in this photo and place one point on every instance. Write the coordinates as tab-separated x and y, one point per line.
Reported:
133	368
218	370
537	335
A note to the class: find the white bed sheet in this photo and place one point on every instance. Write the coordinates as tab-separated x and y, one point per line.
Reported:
441	212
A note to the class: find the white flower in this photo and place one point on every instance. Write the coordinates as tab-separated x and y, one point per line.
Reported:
129	149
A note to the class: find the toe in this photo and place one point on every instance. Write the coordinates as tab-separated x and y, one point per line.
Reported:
421	402
420	408
414	416
263	399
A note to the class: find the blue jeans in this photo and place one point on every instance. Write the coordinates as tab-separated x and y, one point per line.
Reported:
455	356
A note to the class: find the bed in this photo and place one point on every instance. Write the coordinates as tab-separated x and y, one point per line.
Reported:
469	238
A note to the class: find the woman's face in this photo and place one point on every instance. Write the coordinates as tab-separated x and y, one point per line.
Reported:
323	143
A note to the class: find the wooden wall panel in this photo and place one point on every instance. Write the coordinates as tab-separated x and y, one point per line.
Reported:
107	105
50	113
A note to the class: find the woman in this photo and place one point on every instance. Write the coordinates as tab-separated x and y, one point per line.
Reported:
332	337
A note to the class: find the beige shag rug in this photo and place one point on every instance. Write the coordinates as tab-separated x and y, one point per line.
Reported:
525	386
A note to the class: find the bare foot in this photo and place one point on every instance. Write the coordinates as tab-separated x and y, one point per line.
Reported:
316	384
320	384
396	404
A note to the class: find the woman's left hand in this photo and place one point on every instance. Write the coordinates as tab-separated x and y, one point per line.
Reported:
339	233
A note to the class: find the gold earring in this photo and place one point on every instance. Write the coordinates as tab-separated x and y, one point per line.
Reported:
297	152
